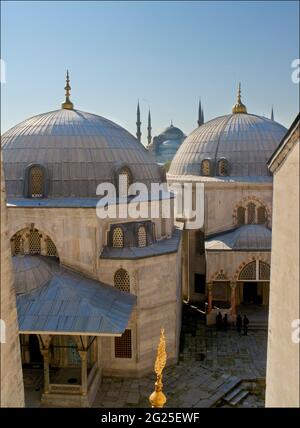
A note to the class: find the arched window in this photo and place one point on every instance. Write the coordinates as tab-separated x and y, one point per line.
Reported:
261	215
142	236
205	167
264	271
251	213
17	244
34	242
124	181
223	167
241	211
118	238
50	248
249	272
36	182
122	280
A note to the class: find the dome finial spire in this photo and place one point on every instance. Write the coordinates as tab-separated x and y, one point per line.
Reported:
239	107
67	104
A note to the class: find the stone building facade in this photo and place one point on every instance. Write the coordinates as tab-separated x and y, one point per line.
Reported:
227	259
12	389
283	336
102	287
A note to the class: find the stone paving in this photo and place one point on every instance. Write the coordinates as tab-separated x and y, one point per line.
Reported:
209	362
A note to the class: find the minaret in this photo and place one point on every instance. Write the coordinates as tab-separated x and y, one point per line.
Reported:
149	128
138	123
67	104
200	114
11	376
272	114
239	107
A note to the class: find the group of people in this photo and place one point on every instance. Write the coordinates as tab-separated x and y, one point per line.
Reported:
241	323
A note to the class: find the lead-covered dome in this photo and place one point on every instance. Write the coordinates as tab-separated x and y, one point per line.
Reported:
77	151
244	142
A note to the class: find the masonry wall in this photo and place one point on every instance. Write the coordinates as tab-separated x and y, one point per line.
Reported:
283	354
12	389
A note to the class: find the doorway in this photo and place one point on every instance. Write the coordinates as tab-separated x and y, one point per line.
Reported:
250	295
36	357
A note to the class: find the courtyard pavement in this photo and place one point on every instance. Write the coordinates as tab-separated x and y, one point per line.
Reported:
210	363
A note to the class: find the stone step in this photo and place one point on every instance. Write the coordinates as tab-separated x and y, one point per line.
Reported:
239	397
231	394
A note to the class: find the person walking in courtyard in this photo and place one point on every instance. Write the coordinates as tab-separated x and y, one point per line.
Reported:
219	321
225	322
239	323
245	325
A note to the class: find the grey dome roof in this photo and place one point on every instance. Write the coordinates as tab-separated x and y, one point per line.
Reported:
78	151
172	132
171	143
30	272
248	237
245	140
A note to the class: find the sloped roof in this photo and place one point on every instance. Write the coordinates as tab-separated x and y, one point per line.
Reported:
252	237
70	303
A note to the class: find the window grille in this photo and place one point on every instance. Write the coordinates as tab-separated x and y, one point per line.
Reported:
17	244
142	236
123	345
223	167
122	280
34	242
36	182
118	238
125	180
50	247
264	271
205	167
251	213
249	272
261	215
241	215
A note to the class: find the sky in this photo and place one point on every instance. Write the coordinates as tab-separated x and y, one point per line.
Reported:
166	54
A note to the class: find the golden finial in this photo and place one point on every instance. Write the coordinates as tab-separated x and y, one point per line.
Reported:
239	107
67	104
158	398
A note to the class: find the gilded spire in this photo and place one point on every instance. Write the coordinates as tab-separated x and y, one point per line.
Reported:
158	398
67	104
149	128
138	123
239	107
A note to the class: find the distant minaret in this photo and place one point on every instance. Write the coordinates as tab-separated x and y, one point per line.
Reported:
138	123
149	128
272	114
200	120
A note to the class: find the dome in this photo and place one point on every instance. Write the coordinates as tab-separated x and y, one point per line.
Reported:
171	144
252	237
172	132
77	150
30	272
246	141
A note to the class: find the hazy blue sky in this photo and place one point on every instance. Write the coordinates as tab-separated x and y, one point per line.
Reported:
165	53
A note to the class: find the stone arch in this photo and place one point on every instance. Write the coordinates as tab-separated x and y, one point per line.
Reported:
219	275
244	202
46	246
246	262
